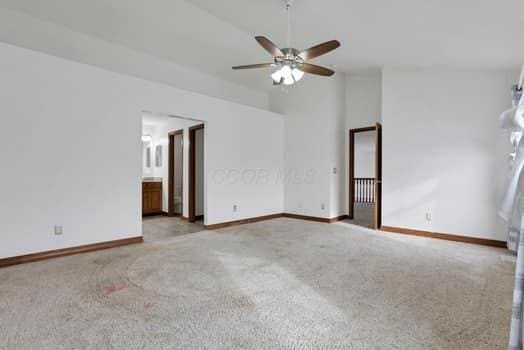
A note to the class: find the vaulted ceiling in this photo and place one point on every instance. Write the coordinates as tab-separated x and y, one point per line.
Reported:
212	35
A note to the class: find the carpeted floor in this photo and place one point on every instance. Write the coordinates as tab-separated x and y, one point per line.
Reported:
363	215
280	284
157	228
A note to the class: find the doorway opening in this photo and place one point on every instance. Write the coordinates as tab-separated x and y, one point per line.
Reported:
175	191
166	176
365	176
196	174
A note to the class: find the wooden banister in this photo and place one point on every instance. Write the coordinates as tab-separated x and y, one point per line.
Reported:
364	188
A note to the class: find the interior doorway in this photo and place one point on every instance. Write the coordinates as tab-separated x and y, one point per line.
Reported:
165	176
365	176
176	173
196	173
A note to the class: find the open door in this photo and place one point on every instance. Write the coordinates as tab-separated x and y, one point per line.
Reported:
378	177
368	189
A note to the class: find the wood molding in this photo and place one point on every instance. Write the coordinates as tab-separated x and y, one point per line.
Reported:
157	213
275	216
378	176
306	217
351	186
192	172
377	216
364	129
171	170
315	218
338	218
243	221
22	259
445	236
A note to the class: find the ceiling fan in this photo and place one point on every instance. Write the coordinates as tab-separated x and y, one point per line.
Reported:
291	63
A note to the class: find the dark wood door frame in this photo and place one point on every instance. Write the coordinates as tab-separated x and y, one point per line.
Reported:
378	177
171	172
192	172
378	172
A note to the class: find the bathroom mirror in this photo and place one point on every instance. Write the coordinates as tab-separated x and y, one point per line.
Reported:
146	156
158	156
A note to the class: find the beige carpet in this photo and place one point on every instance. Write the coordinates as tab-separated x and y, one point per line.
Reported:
280	284
363	215
156	228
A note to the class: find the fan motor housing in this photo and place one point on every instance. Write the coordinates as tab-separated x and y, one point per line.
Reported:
290	57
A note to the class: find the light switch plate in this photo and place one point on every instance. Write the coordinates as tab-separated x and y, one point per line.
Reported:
58	230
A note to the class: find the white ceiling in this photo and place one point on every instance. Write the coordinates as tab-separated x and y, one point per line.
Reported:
377	33
213	35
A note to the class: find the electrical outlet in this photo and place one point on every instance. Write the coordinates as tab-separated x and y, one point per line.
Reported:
428	216
323	206
58	230
235	208
335	170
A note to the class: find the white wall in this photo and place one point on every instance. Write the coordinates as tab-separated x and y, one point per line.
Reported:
365	144
63	42
314	141
67	121
363	99
443	150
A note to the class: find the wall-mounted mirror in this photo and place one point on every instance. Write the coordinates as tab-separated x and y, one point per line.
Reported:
158	156
147	144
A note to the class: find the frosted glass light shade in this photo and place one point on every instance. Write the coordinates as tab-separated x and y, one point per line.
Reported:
277	76
289	80
297	74
286	72
287	75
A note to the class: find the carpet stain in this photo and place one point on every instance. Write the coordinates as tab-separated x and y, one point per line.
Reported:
242	302
111	289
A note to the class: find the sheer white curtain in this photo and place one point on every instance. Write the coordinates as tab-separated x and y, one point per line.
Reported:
512	209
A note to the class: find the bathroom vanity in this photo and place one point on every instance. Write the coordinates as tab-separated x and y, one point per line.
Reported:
151	196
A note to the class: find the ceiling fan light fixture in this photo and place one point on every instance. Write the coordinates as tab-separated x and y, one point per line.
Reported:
297	74
291	63
277	76
286	72
289	80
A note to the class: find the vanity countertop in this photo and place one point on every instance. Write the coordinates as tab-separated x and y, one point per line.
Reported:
152	179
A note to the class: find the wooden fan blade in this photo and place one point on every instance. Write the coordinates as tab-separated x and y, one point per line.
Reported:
319	50
313	69
269	46
251	66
